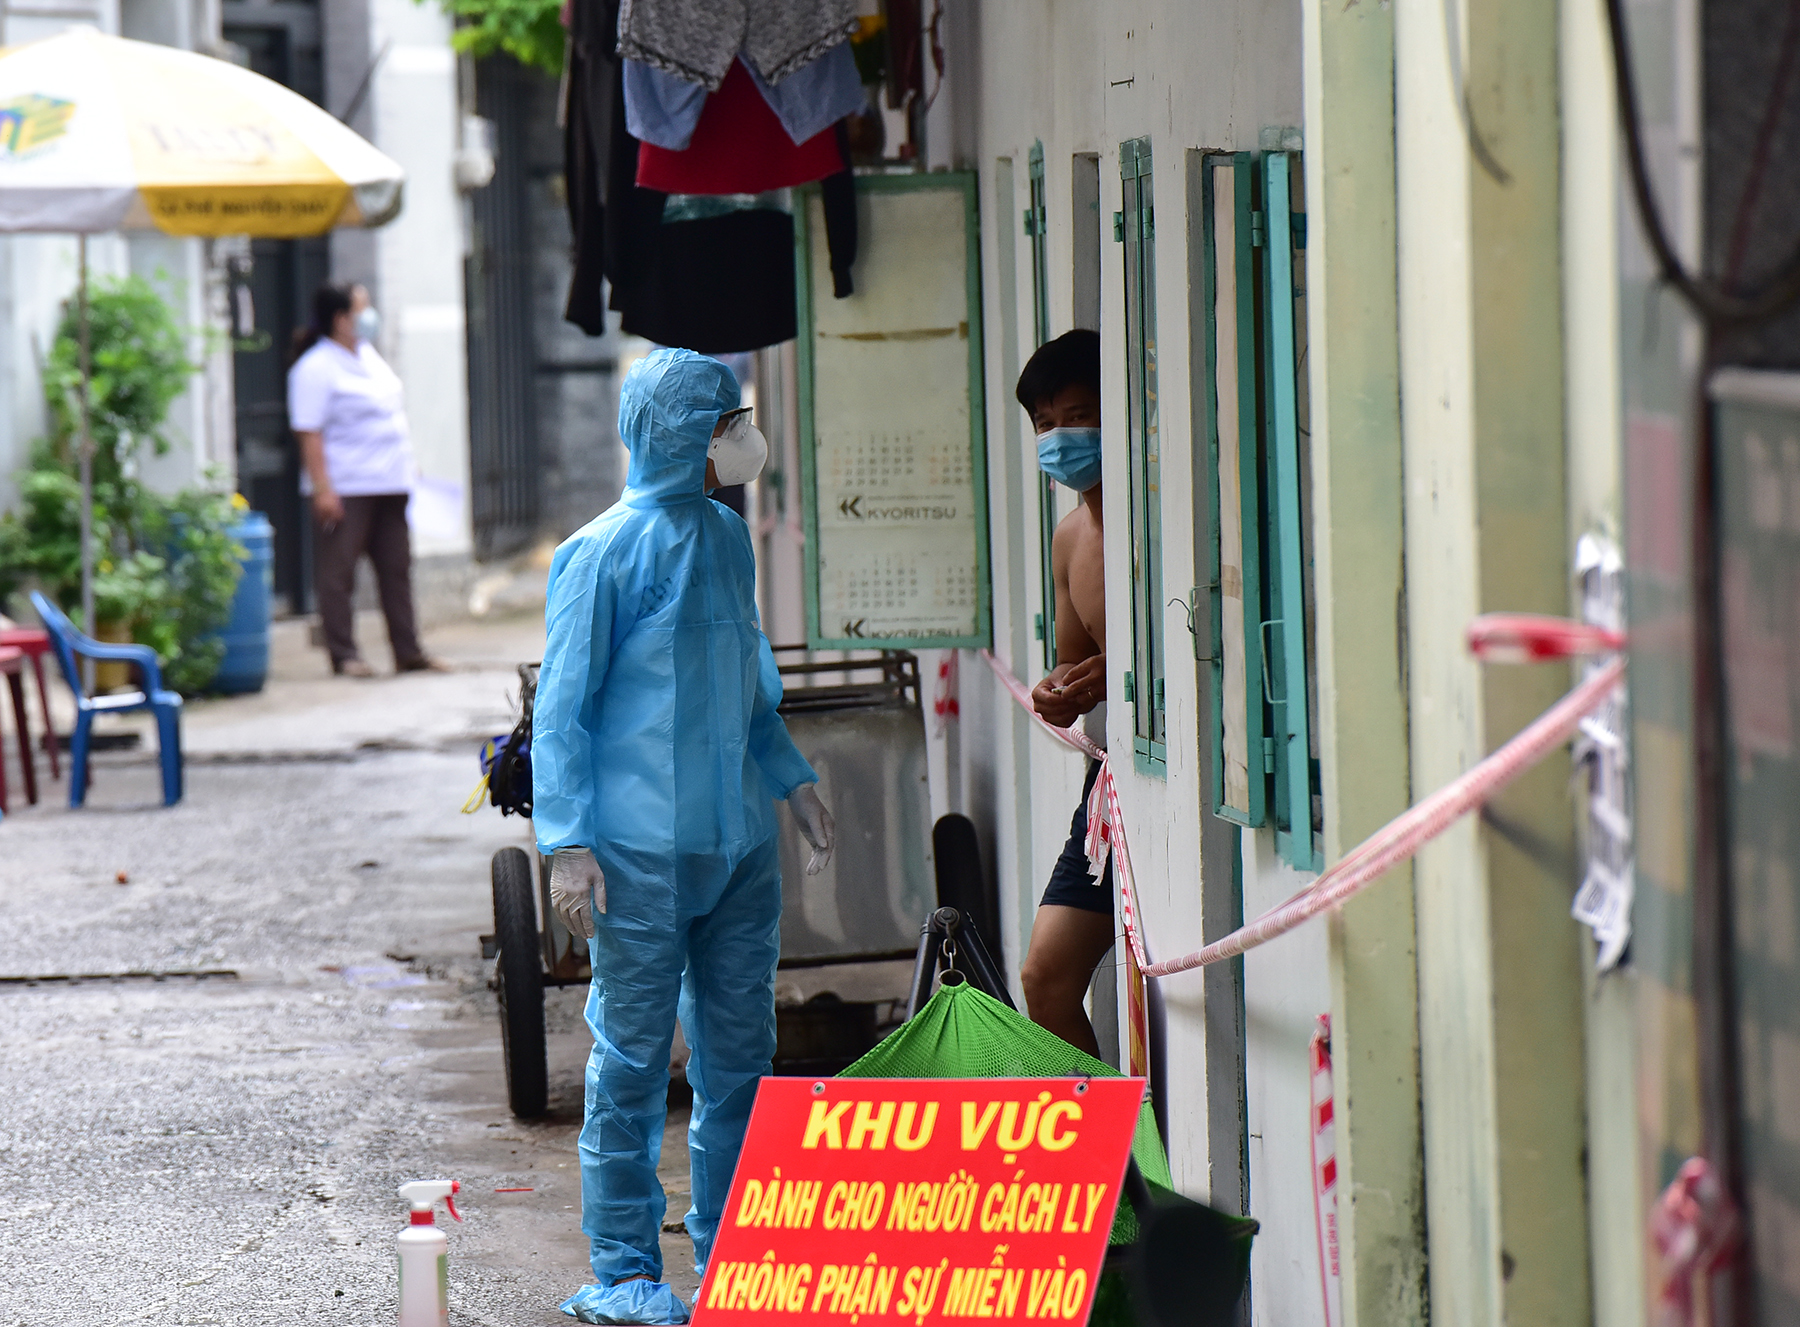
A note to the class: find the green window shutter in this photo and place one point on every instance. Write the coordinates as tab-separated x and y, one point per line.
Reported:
1037	225
1260	736
1239	715
1288	570
1137	231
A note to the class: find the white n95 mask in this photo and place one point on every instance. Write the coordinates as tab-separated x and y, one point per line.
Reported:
739	453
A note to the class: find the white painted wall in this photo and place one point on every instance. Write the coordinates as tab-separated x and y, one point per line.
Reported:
24	21
1287	985
201	435
419	263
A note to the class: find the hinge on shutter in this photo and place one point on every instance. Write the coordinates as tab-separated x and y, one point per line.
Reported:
1118	227
1297	223
1040	626
1130	686
1157	691
1149	222
1259	229
1030	221
1268	746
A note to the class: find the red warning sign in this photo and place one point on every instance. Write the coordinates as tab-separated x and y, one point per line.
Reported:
921	1200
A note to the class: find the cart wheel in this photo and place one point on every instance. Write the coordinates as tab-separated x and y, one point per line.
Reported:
521	985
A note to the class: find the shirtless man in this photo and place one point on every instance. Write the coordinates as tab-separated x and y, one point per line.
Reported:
1060	388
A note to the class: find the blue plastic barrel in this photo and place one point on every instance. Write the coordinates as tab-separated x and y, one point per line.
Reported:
246	636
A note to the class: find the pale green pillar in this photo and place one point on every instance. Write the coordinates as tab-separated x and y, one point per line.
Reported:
1481	318
1359	572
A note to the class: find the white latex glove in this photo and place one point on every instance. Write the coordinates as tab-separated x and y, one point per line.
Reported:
816	825
577	889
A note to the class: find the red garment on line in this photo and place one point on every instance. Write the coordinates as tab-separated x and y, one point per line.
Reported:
738	147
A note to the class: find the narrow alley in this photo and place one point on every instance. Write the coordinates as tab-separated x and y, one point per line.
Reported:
227	1042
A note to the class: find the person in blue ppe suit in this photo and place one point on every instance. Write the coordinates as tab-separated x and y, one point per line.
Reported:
657	757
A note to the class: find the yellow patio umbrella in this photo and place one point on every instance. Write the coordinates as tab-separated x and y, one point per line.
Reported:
99	134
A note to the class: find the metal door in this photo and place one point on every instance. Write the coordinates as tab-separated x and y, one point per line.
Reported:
503	451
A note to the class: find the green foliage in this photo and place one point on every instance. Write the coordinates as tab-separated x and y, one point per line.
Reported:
15	552
169	573
193	532
129	588
167	567
530	31
139	360
42	540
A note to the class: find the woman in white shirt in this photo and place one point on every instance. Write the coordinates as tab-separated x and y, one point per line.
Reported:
345	407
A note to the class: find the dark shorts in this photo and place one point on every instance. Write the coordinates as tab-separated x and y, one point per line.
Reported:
1070	884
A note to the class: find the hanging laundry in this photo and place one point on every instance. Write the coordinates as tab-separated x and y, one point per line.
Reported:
739	147
817	95
589	97
698	39
663	109
714	278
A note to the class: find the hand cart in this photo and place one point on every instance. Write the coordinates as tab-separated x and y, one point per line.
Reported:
858	719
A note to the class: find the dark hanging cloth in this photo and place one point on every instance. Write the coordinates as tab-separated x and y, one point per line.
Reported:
838	194
715	284
635	216
588	142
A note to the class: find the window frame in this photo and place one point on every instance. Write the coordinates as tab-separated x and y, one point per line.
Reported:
1254	443
1239	452
1134	226
1288	572
1037	224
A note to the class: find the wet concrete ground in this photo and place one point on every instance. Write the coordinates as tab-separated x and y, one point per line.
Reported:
225	1148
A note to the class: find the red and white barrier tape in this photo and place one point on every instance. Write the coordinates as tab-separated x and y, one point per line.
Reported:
1534	638
1072	738
1386	848
1324	1171
1106	827
1695	1229
1106	834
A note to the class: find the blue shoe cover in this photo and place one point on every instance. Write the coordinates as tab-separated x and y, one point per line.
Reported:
650	1302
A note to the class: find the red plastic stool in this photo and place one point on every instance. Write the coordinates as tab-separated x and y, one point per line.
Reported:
35	642
12	664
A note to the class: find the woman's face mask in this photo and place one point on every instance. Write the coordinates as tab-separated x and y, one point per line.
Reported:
1071	457
368	323
739	453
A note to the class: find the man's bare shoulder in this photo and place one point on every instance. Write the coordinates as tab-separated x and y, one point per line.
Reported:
1076	535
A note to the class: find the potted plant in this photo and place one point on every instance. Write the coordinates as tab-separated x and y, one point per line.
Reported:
128	590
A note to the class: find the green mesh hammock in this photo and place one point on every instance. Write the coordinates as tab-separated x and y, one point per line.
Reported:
962	1033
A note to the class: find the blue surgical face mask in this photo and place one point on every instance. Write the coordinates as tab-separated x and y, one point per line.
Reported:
1071	457
368	323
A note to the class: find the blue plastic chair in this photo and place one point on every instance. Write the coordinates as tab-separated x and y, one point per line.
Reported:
70	646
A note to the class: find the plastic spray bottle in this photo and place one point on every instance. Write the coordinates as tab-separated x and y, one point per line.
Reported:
425	1256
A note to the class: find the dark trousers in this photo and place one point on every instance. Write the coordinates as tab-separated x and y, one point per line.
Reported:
374	524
